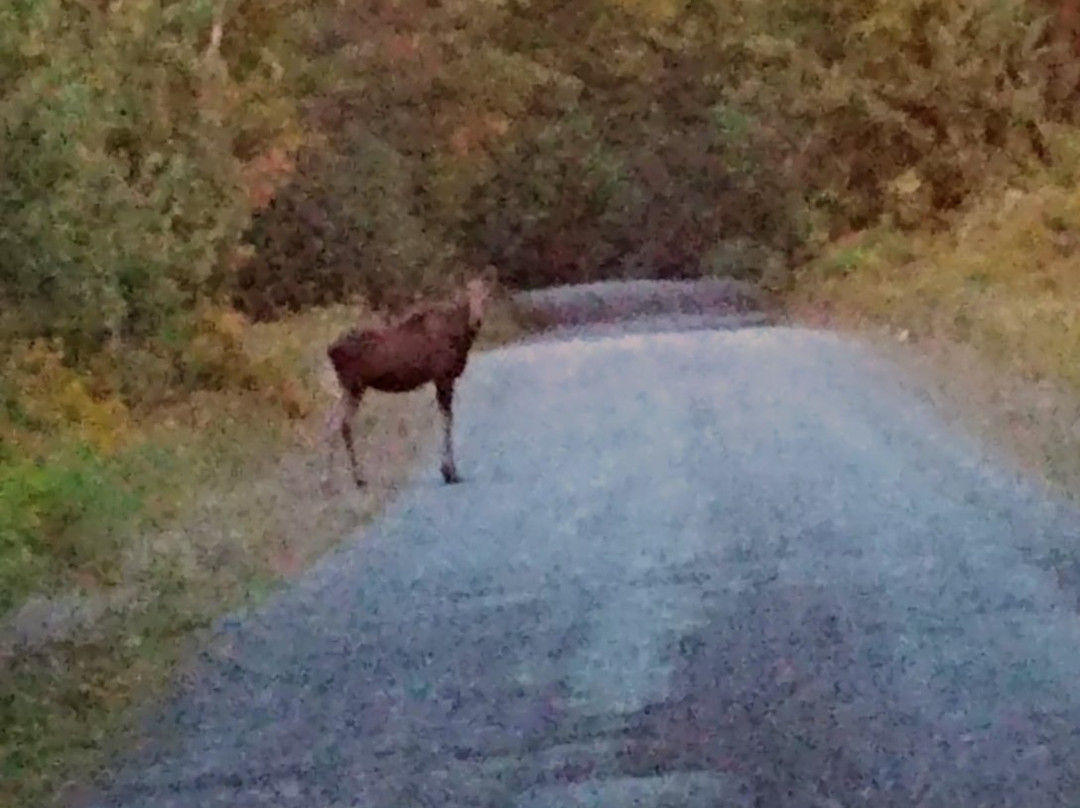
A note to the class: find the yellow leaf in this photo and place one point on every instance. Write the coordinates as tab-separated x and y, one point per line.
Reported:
907	183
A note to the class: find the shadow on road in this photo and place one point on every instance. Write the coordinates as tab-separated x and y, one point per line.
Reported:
800	694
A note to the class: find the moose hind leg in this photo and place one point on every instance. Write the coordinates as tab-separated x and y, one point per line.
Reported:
351	406
444	393
329	438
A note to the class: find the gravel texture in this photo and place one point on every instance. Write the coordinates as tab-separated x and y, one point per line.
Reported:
688	566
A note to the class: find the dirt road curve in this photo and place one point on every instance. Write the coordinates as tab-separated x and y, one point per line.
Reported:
620	301
706	568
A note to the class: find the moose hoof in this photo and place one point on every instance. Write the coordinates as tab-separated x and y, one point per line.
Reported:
450	475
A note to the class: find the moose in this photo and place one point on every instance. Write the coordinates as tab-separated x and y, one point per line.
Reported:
428	344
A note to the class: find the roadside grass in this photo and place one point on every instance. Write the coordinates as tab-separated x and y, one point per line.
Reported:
206	505
987	314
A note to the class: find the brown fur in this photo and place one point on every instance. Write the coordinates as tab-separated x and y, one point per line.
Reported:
430	344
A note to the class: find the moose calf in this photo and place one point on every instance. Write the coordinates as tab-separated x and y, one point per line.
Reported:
430	344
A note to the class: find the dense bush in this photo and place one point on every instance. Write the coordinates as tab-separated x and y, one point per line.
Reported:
574	140
129	135
123	166
561	140
340	228
896	109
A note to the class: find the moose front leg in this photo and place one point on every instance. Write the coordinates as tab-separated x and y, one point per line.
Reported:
352	404
444	393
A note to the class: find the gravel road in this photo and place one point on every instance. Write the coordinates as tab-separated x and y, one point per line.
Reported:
705	567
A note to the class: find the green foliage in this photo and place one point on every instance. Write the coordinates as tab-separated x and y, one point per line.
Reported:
120	183
900	110
340	228
89	216
502	135
65	512
494	131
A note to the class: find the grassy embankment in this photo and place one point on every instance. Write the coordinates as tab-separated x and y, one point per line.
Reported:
986	313
156	522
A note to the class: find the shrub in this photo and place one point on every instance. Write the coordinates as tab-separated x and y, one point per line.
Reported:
64	512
